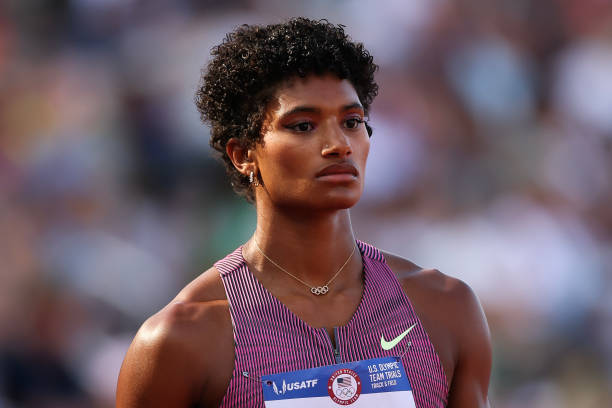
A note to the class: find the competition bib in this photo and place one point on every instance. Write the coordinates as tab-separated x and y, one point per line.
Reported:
365	383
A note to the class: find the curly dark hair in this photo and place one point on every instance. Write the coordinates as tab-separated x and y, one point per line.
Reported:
253	61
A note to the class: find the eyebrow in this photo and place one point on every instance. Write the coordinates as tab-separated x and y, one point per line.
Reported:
312	109
355	105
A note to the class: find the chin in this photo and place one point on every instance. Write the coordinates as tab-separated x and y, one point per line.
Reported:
339	198
338	201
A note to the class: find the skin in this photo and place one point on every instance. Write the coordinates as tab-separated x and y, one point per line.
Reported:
183	356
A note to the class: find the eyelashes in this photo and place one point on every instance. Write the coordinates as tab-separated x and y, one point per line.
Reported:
355	122
307	126
301	127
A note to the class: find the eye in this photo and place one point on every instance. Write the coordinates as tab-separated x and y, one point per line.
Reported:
353	123
301	127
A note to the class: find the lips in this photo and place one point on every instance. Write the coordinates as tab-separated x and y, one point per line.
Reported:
339	168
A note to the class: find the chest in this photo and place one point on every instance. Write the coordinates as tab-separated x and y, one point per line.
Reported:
267	346
328	312
273	334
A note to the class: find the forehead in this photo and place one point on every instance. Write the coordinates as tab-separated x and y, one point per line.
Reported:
322	92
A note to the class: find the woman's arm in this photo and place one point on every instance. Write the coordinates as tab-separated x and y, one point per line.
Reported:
470	384
160	368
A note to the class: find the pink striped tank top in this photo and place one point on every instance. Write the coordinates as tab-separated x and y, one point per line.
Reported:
269	338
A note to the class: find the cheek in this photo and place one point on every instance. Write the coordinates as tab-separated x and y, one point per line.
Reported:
283	161
363	151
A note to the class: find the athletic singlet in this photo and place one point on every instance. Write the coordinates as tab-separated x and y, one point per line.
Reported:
269	338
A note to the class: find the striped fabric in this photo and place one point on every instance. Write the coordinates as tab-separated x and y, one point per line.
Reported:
269	338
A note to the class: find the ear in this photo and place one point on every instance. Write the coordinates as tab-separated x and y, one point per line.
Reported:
241	157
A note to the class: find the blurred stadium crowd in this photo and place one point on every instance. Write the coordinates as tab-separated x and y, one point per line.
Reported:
491	160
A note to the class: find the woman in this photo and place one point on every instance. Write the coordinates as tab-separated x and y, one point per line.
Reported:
287	105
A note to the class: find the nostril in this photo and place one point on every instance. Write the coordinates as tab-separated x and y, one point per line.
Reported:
337	149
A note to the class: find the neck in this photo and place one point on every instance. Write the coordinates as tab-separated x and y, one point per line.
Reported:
312	247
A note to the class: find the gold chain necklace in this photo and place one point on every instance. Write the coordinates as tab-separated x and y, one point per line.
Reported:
315	290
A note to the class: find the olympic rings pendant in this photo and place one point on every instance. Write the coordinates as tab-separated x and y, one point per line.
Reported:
319	290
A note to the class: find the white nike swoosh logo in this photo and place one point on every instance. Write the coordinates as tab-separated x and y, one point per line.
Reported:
388	345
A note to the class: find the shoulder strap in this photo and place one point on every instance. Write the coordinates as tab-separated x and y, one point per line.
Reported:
231	262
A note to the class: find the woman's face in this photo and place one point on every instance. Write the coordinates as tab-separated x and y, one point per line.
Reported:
315	146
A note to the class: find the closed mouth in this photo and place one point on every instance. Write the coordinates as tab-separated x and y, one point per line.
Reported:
339	168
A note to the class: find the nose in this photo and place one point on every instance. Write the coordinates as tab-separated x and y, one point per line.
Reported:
337	144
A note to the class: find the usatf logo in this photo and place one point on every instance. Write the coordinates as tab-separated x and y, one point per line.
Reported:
292	386
344	386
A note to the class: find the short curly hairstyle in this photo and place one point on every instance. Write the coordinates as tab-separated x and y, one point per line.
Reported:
252	62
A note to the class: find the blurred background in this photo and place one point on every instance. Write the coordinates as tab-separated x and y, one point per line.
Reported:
491	160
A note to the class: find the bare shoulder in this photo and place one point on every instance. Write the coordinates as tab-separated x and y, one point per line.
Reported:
199	308
450	294
170	360
410	273
455	321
